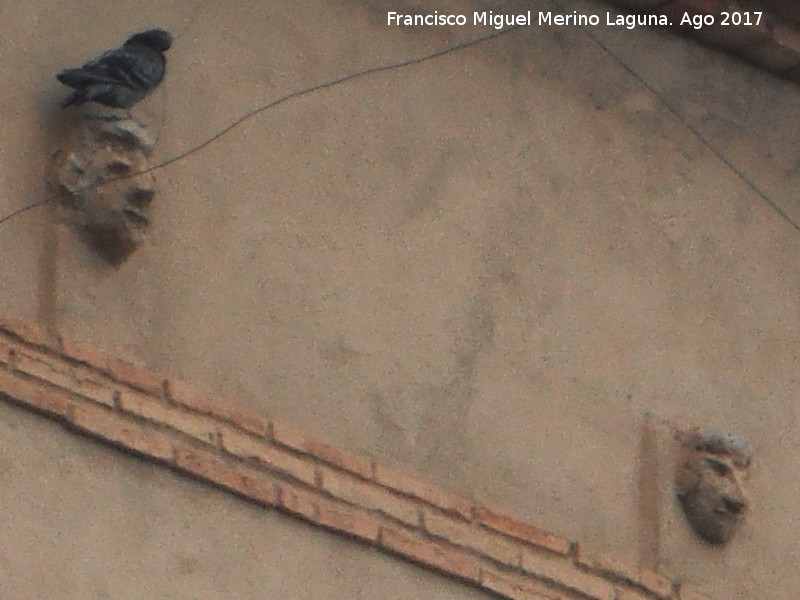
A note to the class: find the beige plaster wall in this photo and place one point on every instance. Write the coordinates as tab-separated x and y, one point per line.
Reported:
488	266
81	520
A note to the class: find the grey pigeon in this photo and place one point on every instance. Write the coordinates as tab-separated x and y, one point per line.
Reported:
121	77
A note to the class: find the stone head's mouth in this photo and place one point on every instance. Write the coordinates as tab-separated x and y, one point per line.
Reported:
730	509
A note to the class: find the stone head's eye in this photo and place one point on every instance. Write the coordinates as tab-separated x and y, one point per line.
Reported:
719	467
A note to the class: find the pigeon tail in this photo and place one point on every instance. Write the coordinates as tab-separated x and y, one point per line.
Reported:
74	98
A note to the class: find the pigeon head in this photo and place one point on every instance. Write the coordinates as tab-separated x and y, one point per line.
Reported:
157	39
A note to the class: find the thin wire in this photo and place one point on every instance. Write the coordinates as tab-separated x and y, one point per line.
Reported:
256	111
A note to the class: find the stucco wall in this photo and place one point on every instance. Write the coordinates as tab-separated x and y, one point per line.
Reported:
84	521
487	266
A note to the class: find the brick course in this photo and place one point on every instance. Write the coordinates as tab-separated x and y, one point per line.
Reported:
99	421
200	401
430	553
353	490
348	519
245	446
472	536
655	584
276	466
29	393
519	529
519	587
410	485
562	571
338	457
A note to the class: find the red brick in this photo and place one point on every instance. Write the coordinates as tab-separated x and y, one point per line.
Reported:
10	348
28	331
92	357
472	536
35	395
93	388
137	377
7	349
297	501
206	464
348	519
411	485
562	571
516	585
61	374
368	495
251	423
202	401
448	559
341	458
158	411
248	446
120	370
121	431
42	367
518	529
652	582
259	487
289	437
239	478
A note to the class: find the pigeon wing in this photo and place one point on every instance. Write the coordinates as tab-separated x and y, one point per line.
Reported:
131	66
77	78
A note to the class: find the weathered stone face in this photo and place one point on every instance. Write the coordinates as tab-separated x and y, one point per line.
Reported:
96	175
710	482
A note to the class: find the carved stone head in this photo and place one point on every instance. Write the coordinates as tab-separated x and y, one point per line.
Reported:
710	483
95	177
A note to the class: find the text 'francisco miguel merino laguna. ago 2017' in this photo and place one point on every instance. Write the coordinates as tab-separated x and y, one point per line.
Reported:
550	19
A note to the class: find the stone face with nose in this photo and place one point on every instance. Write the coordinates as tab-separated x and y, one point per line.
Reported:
710	484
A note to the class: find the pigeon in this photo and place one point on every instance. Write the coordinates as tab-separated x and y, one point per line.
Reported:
121	77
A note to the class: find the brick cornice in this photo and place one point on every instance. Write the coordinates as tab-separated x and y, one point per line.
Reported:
275	466
751	32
